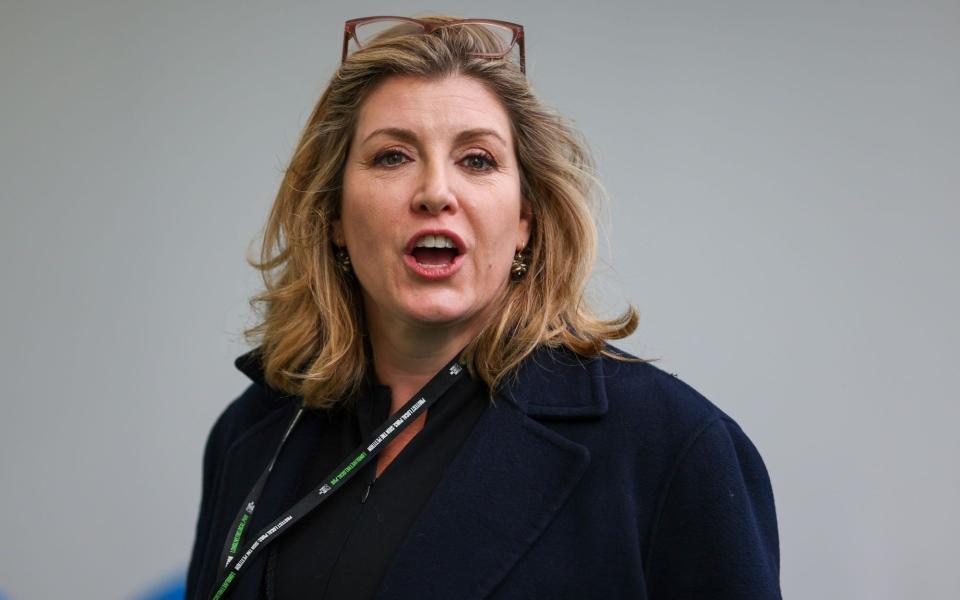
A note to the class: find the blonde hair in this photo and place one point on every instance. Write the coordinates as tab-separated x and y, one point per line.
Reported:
312	332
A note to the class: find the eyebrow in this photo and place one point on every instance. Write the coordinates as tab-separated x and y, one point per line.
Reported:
410	137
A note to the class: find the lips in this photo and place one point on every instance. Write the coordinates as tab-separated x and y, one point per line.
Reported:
435	254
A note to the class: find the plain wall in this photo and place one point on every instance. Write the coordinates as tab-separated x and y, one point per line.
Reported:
783	182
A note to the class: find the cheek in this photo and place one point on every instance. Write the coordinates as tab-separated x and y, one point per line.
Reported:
500	248
369	204
361	215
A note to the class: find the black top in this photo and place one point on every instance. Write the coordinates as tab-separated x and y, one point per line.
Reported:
343	549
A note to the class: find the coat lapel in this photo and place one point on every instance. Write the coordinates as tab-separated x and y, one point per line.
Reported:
504	487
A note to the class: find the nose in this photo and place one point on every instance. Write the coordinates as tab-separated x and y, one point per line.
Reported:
434	196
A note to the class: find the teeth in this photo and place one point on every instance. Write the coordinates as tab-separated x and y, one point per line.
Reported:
435	241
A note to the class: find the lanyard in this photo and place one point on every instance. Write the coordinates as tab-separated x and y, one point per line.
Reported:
235	555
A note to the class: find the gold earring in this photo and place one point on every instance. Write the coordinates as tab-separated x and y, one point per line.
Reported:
519	267
343	260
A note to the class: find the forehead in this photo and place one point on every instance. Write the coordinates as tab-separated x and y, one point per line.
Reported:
429	107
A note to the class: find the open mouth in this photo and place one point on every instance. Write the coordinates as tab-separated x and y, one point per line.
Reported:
435	251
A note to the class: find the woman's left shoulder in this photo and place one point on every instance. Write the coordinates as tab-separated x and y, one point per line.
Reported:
713	491
703	499
643	410
617	400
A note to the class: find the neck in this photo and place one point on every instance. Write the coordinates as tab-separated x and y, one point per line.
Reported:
406	357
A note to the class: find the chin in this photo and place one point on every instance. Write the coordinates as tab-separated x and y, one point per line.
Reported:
438	316
439	310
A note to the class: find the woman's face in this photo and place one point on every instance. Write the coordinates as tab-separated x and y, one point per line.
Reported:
431	212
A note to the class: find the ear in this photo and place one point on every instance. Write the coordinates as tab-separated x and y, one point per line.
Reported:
336	233
525	225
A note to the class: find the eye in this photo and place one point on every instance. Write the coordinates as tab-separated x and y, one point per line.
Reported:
480	161
390	158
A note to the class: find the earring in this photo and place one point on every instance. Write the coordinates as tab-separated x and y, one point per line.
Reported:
343	260
519	267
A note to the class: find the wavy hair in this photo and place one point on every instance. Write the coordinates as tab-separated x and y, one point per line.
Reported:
312	330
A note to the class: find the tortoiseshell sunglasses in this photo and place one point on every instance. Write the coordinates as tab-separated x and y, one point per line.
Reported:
361	31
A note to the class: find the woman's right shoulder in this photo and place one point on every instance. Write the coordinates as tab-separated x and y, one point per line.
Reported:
252	411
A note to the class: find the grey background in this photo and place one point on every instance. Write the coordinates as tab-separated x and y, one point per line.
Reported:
783	179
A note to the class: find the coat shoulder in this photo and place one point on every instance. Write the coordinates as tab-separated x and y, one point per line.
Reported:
642	393
616	398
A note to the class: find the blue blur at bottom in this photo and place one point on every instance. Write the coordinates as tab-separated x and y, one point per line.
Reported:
171	589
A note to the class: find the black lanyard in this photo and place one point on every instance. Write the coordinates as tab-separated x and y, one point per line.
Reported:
234	558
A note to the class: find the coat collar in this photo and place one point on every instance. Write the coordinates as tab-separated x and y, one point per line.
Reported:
556	383
505	486
551	383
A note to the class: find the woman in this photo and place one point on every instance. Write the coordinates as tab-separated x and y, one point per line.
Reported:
435	412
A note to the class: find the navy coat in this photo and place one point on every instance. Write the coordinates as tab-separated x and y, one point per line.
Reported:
588	478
